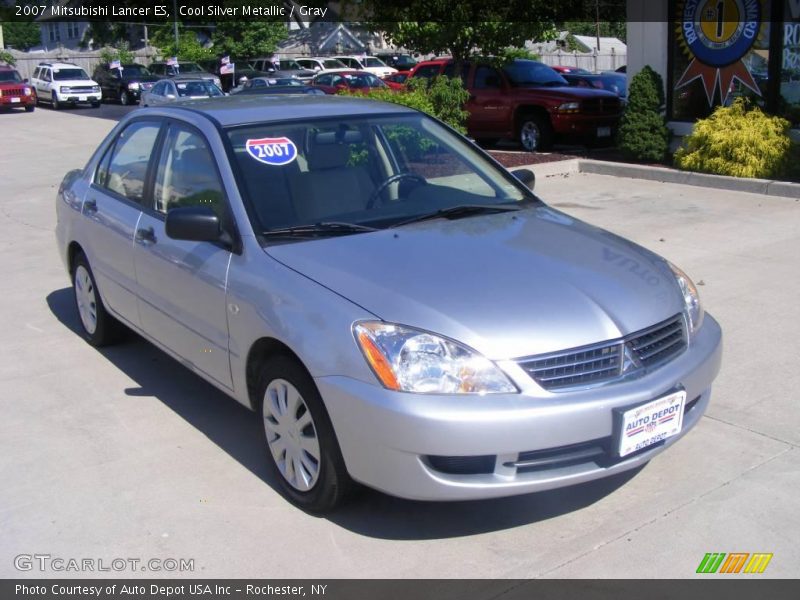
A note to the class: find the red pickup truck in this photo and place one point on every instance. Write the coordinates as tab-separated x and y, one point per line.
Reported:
528	101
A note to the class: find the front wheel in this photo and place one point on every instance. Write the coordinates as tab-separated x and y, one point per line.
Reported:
124	98
30	108
304	454
54	101
99	327
535	133
96	104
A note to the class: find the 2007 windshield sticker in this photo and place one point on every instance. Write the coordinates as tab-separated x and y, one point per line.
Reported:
272	151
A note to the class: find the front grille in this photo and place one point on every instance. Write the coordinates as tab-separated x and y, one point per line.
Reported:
601	106
13	92
659	343
81	90
576	367
607	361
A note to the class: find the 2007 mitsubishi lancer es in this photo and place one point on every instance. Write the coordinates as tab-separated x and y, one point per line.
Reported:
399	310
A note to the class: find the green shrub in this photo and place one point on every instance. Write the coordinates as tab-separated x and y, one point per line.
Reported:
643	133
122	54
738	140
443	98
7	58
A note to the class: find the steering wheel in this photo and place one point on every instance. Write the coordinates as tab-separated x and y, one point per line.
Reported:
389	181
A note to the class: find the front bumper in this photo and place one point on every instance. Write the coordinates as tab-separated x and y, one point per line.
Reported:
92	98
388	438
584	125
17	101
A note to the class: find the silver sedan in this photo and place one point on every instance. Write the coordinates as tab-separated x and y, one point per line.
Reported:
168	91
397	309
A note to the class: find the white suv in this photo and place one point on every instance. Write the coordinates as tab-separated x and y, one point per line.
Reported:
370	64
64	83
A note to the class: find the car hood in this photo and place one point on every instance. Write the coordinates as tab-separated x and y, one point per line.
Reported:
140	78
567	92
508	285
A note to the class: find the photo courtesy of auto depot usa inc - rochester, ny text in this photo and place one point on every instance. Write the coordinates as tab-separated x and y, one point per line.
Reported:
156	590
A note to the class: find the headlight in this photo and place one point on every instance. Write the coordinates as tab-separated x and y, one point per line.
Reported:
64	89
27	91
412	360
691	299
96	88
133	85
569	107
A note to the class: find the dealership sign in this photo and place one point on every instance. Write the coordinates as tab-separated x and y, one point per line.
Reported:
717	35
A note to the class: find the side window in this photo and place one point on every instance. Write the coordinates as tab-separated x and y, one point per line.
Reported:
450	71
427	72
259	83
127	168
324	80
46	75
187	173
487	78
158	89
36	72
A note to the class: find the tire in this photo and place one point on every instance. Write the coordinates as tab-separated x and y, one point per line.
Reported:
54	102
95	105
97	326
318	484
30	108
124	98
535	133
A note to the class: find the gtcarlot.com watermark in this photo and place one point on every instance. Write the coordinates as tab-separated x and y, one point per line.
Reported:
47	563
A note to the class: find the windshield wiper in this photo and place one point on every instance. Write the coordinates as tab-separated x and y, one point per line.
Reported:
462	210
323	228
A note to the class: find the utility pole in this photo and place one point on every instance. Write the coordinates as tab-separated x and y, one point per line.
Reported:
597	21
175	23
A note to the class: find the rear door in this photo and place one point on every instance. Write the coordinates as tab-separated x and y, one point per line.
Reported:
182	284
112	209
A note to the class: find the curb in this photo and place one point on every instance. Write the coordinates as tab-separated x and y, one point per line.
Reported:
766	187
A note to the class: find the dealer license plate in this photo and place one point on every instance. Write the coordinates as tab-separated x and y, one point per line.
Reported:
15	100
604	132
650	423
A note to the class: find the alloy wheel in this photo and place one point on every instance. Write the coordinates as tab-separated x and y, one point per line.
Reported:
86	298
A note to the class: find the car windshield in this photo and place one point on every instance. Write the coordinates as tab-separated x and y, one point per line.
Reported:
134	69
10	76
363	80
197	88
65	74
371	61
375	171
532	73
190	67
332	63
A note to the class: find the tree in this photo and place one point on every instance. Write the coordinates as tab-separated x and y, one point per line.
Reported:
248	39
21	35
462	28
7	58
188	47
643	133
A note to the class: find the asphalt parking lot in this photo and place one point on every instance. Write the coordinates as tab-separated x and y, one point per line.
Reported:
124	453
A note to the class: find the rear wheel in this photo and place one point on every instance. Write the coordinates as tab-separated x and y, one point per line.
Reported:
535	133
304	454
99	327
30	108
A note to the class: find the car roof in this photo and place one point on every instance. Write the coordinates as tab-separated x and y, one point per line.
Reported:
7	68
239	110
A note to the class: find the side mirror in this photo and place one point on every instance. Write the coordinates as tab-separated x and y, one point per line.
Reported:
193	223
25	80
526	176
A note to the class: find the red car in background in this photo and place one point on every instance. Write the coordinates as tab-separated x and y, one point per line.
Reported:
355	82
14	91
397	81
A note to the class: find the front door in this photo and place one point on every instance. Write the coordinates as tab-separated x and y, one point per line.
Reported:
182	284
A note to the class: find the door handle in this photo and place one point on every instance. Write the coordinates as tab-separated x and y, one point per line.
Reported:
90	207
145	236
